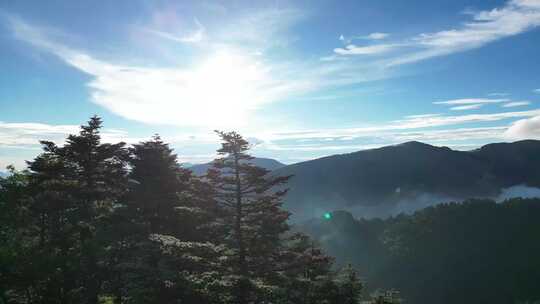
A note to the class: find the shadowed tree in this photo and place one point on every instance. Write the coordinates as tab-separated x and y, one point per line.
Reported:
18	233
252	213
167	246
158	183
76	187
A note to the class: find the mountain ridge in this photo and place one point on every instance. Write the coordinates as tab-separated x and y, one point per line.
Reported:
267	163
411	171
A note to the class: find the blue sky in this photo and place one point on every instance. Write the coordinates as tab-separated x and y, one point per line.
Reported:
300	79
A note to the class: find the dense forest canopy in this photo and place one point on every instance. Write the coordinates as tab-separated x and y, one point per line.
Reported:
478	251
93	222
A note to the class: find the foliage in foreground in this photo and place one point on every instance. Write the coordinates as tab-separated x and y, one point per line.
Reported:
94	222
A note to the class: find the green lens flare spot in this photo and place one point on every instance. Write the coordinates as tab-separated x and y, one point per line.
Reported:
327	215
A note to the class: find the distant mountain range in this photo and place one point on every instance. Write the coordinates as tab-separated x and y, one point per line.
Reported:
267	163
406	177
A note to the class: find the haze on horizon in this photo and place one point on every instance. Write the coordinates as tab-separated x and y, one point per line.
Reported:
299	80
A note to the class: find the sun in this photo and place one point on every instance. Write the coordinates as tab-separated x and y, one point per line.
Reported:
225	88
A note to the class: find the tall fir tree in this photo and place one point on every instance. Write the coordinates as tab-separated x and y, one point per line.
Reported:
170	209
76	188
252	214
158	183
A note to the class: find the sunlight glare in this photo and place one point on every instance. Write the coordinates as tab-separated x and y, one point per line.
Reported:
225	87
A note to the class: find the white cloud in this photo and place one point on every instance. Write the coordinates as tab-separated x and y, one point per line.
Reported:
438	121
222	86
259	28
536	91
352	49
516	104
498	94
466	101
377	36
217	91
466	107
515	17
421	124
225	74
193	37
459	134
476	103
372	36
423	115
335	140
28	134
524	129
487	26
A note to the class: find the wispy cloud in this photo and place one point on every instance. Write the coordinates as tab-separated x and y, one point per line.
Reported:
28	134
497	94
328	142
443	120
352	49
377	36
192	37
466	107
218	90
425	122
469	103
260	28
466	101
536	91
232	71
516	104
372	36
515	17
456	131
476	103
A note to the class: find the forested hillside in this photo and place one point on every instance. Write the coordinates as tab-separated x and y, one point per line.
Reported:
92	222
477	251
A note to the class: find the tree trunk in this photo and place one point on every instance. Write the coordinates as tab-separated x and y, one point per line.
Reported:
242	267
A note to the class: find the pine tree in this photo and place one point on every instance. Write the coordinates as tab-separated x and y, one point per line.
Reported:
76	188
252	213
170	208
158	183
305	271
349	285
